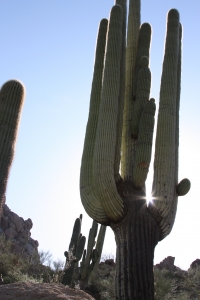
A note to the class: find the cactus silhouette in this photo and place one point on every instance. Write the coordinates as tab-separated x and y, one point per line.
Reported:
118	144
74	253
90	256
12	96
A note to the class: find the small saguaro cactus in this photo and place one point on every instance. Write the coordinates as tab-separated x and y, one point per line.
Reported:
74	253
118	144
12	96
92	255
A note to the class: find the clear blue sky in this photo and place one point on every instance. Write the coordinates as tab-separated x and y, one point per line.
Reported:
49	45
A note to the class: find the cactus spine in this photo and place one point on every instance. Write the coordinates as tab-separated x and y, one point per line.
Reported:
117	198
12	96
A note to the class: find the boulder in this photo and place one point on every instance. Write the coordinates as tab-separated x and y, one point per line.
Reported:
47	291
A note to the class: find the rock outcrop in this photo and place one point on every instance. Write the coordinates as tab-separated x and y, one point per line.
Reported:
195	264
167	263
17	230
47	291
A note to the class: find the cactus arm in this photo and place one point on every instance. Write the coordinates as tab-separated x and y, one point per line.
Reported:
100	239
164	163
143	49
178	92
142	94
80	248
183	187
131	52
91	242
75	234
99	247
87	189
92	256
144	147
104	155
12	96
123	4
165	180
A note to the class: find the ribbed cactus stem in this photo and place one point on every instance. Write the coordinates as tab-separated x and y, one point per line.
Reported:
12	96
142	49
92	256
165	150
123	4
144	42
131	52
144	147
104	153
91	203
99	247
167	223
142	95
90	245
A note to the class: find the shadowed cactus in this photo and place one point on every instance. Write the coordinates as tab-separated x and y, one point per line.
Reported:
74	253
90	256
118	144
12	96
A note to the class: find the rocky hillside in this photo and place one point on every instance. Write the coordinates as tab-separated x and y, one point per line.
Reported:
18	230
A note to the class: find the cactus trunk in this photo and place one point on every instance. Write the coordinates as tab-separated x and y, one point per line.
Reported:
136	237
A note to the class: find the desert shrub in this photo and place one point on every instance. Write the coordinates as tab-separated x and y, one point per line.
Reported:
10	263
14	267
191	284
165	284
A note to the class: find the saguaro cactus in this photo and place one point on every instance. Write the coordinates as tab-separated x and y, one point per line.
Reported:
118	143
74	253
92	255
12	96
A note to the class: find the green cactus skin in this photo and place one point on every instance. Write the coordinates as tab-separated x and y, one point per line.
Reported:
74	253
94	207
141	95
108	110
144	146
113	193
12	95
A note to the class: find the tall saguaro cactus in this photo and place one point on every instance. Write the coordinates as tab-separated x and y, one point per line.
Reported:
118	144
12	95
